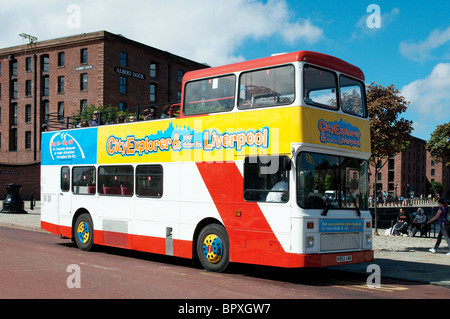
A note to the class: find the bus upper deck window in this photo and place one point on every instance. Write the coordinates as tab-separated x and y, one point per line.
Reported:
352	96
267	87
210	95
320	87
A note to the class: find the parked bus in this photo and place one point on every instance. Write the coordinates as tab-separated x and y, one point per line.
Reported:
266	164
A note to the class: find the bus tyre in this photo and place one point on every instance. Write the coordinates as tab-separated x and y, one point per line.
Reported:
84	232
213	248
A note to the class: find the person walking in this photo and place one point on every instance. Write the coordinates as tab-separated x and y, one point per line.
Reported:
444	226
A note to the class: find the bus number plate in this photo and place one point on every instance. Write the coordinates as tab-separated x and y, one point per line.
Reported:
342	259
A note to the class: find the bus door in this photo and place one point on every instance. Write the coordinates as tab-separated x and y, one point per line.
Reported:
64	199
265	194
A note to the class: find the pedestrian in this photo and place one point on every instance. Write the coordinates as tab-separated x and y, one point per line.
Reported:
419	223
403	224
444	225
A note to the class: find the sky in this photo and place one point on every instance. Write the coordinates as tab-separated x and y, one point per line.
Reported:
404	43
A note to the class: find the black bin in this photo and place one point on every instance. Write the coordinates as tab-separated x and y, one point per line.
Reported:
13	203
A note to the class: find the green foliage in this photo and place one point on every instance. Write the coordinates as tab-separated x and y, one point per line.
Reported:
389	133
439	144
436	188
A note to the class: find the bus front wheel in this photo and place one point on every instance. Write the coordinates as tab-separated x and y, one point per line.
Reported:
213	248
84	232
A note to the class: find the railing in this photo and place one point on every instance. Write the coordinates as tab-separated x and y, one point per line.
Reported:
54	121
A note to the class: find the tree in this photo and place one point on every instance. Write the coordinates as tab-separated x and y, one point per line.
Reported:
439	144
436	189
389	133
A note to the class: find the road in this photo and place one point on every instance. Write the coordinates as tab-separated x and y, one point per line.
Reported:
35	264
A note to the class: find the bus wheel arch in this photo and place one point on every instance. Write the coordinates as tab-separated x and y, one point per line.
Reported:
83	229
211	245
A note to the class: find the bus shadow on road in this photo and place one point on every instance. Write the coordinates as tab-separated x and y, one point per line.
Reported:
354	274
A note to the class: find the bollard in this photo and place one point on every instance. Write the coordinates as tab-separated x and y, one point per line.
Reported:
13	204
31	202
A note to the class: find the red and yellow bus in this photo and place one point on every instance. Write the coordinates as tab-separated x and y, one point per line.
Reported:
266	164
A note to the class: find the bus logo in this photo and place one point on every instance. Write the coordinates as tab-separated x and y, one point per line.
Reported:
340	133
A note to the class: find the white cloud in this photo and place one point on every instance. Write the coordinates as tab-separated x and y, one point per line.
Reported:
206	31
430	99
422	51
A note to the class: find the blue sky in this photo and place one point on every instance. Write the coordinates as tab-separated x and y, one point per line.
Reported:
411	49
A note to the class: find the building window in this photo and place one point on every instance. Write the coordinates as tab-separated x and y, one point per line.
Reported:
61	59
83	82
380	176
61	84
83	105
14	68
123	59
152	92
45	63
46	85
123	85
28	113
60	111
153	70
27	140
84	56
180	76
46	109
13	140
122	106
14	89
432	172
28	88
28	64
14	113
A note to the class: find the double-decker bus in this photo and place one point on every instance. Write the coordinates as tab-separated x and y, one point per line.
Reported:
267	163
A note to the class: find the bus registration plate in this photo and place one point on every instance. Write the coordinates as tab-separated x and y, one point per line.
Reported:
342	259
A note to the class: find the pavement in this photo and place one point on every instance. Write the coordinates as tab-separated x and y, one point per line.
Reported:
406	258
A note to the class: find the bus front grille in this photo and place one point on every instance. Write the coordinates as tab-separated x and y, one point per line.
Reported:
343	241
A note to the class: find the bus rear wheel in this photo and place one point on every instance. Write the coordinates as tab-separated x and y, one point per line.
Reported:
213	248
84	232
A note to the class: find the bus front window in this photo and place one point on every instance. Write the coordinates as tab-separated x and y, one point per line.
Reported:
327	181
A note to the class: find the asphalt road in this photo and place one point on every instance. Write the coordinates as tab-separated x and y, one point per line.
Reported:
35	264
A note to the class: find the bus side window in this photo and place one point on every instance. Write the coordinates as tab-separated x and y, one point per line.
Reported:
352	96
149	181
116	180
65	178
83	180
320	87
266	179
209	95
267	87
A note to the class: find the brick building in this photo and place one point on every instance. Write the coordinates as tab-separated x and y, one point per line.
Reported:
410	173
62	76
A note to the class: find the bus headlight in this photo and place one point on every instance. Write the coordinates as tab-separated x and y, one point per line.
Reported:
309	242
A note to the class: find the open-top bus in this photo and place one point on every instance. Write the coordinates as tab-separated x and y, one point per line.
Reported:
266	164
